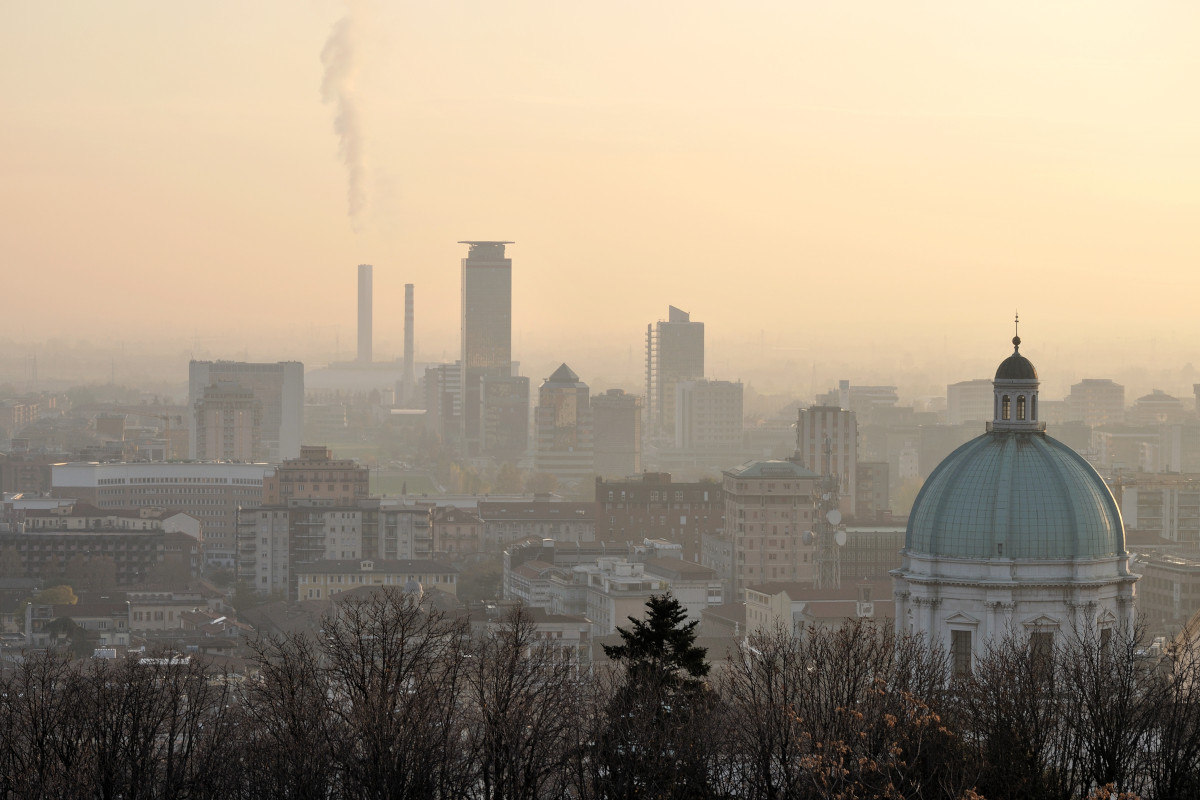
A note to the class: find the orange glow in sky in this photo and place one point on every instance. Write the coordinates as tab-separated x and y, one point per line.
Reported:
844	175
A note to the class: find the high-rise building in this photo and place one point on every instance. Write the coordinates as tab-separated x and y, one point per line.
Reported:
708	416
564	428
229	424
486	331
280	389
768	508
364	313
817	425
674	353
505	408
443	401
617	433
1096	401
969	401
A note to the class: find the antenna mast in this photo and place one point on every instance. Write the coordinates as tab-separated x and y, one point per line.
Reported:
829	538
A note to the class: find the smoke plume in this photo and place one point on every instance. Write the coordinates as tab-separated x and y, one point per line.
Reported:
338	87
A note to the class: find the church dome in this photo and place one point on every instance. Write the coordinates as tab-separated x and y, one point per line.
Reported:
1015	495
1014	492
1016	367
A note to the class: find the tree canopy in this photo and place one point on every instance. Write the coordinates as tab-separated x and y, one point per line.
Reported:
662	643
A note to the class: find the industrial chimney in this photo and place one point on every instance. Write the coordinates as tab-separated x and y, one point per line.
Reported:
364	314
409	378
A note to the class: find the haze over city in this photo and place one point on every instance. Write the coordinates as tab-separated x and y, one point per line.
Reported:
703	401
836	191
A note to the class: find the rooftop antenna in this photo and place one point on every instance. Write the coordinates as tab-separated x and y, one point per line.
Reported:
830	538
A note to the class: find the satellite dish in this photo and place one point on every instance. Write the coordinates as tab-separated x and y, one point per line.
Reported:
808	537
840	538
834	517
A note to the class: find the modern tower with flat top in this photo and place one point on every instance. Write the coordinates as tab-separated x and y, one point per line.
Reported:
486	331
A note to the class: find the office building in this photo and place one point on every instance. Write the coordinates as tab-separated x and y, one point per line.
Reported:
617	433
229	424
486	331
819	426
969	401
708	416
210	492
1158	408
653	506
505	423
1162	507
444	401
674	353
278	387
769	506
564	428
1096	401
316	475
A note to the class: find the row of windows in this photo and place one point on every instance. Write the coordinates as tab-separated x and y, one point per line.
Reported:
1006	407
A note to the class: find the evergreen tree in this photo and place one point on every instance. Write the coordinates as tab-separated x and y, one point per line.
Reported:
657	742
662	647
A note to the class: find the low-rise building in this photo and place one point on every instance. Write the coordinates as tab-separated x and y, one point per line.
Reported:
1163	506
457	532
324	579
317	475
787	605
653	506
210	492
505	522
1168	594
105	623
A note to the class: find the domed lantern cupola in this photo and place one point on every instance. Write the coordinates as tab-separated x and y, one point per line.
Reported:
1015	391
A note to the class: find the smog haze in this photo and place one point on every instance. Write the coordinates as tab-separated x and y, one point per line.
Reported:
836	190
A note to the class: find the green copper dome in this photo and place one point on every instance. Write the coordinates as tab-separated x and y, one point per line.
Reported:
1015	495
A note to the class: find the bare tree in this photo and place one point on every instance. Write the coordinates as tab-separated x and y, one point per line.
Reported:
1112	704
41	750
522	702
287	725
1172	745
395	672
845	712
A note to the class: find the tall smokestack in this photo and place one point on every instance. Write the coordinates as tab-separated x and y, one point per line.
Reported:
409	378
364	313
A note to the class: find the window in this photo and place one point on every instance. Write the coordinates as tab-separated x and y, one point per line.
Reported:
1021	407
1041	651
1005	411
960	650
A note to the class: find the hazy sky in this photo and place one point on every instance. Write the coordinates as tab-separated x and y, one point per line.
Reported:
819	179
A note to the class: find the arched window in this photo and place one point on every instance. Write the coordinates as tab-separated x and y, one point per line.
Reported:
1033	408
1005	410
1021	407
